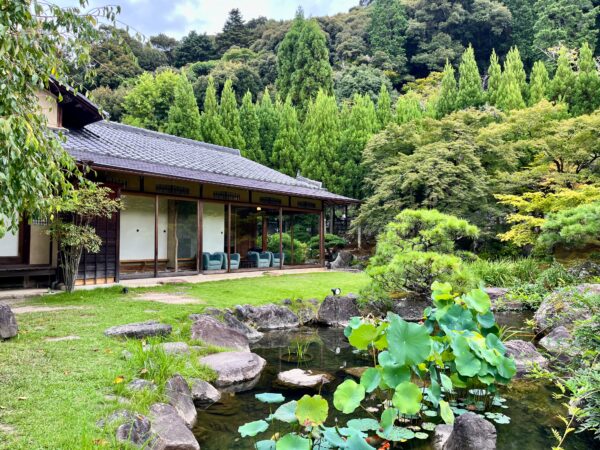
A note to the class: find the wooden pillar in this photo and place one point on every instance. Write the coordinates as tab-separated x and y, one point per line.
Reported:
292	238
199	214
280	238
265	234
155	236
228	262
331	219
322	238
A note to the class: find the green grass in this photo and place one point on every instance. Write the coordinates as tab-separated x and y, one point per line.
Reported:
53	393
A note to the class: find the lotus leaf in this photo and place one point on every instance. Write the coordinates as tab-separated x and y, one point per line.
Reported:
407	398
397	434
478	300
348	395
268	397
363	424
286	412
370	379
409	343
265	445
253	428
293	442
446	412
312	410
363	335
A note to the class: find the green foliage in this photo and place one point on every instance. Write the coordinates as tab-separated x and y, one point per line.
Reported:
505	272
300	248
230	117
586	96
417	248
363	80
513	86
572	228
213	130
250	126
447	100
494	79
111	101
409	108
322	135
234	33
268	117
192	48
73	228
286	55
387	32
36	36
384	107
287	145
563	82
539	83
184	116
470	90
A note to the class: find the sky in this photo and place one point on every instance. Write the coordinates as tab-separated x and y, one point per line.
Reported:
177	17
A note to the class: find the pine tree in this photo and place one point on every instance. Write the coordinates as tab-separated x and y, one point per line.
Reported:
539	82
234	32
586	97
312	70
184	116
268	117
286	55
286	155
563	83
510	92
447	98
408	108
387	32
384	107
470	91
321	142
494	77
359	124
230	116
212	128
250	130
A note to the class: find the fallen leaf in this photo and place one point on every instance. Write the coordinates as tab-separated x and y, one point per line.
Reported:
21	398
119	379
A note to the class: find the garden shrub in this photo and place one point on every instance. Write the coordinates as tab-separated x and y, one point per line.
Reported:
418	247
300	248
506	272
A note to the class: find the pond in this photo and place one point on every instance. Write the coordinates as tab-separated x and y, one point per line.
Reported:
530	404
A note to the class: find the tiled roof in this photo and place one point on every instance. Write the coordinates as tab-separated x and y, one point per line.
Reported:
123	147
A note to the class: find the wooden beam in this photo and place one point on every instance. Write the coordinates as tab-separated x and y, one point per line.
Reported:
155	236
265	234
322	238
292	238
228	262
280	238
199	218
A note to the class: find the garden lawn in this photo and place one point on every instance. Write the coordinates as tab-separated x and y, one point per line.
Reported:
53	393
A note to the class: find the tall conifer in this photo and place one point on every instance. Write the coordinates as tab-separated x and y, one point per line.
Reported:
539	83
250	129
286	155
447	98
268	116
586	97
230	116
408	108
493	81
286	55
563	83
184	116
212	127
470	90
384	107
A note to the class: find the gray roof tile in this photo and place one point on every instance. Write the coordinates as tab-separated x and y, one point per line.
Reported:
118	146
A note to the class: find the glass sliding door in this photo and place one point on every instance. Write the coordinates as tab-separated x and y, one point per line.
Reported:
136	236
255	237
178	235
301	238
214	237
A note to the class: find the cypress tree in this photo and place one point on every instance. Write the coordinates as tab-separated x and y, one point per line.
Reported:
563	83
234	32
230	116
286	55
408	108
447	98
250	129
359	124
268	117
470	91
322	141
510	92
287	147
514	65
384	107
184	116
387	32
312	70
586	97
494	77
212	127
538	83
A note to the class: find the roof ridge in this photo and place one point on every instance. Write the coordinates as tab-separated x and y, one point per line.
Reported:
170	137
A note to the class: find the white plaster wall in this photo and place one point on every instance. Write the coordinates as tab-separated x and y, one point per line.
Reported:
39	251
9	244
137	229
213	227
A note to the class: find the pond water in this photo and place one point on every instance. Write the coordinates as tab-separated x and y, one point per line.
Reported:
531	407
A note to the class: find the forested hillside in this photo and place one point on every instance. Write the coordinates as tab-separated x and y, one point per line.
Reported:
465	106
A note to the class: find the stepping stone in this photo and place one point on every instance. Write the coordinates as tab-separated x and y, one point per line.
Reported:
212	332
299	379
64	338
169	299
355	371
204	393
170	430
234	367
139	385
179	395
8	322
7	429
170	348
139	330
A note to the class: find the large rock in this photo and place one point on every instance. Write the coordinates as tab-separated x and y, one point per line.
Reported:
343	260
525	355
307	314
179	395
169	429
170	348
411	308
203	393
471	432
337	310
299	379
8	322
212	332
558	341
136	430
267	317
230	320
140	384
441	434
139	330
500	301
234	367
561	309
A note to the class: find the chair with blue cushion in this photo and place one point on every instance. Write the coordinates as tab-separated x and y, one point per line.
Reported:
261	260
212	261
235	260
277	258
